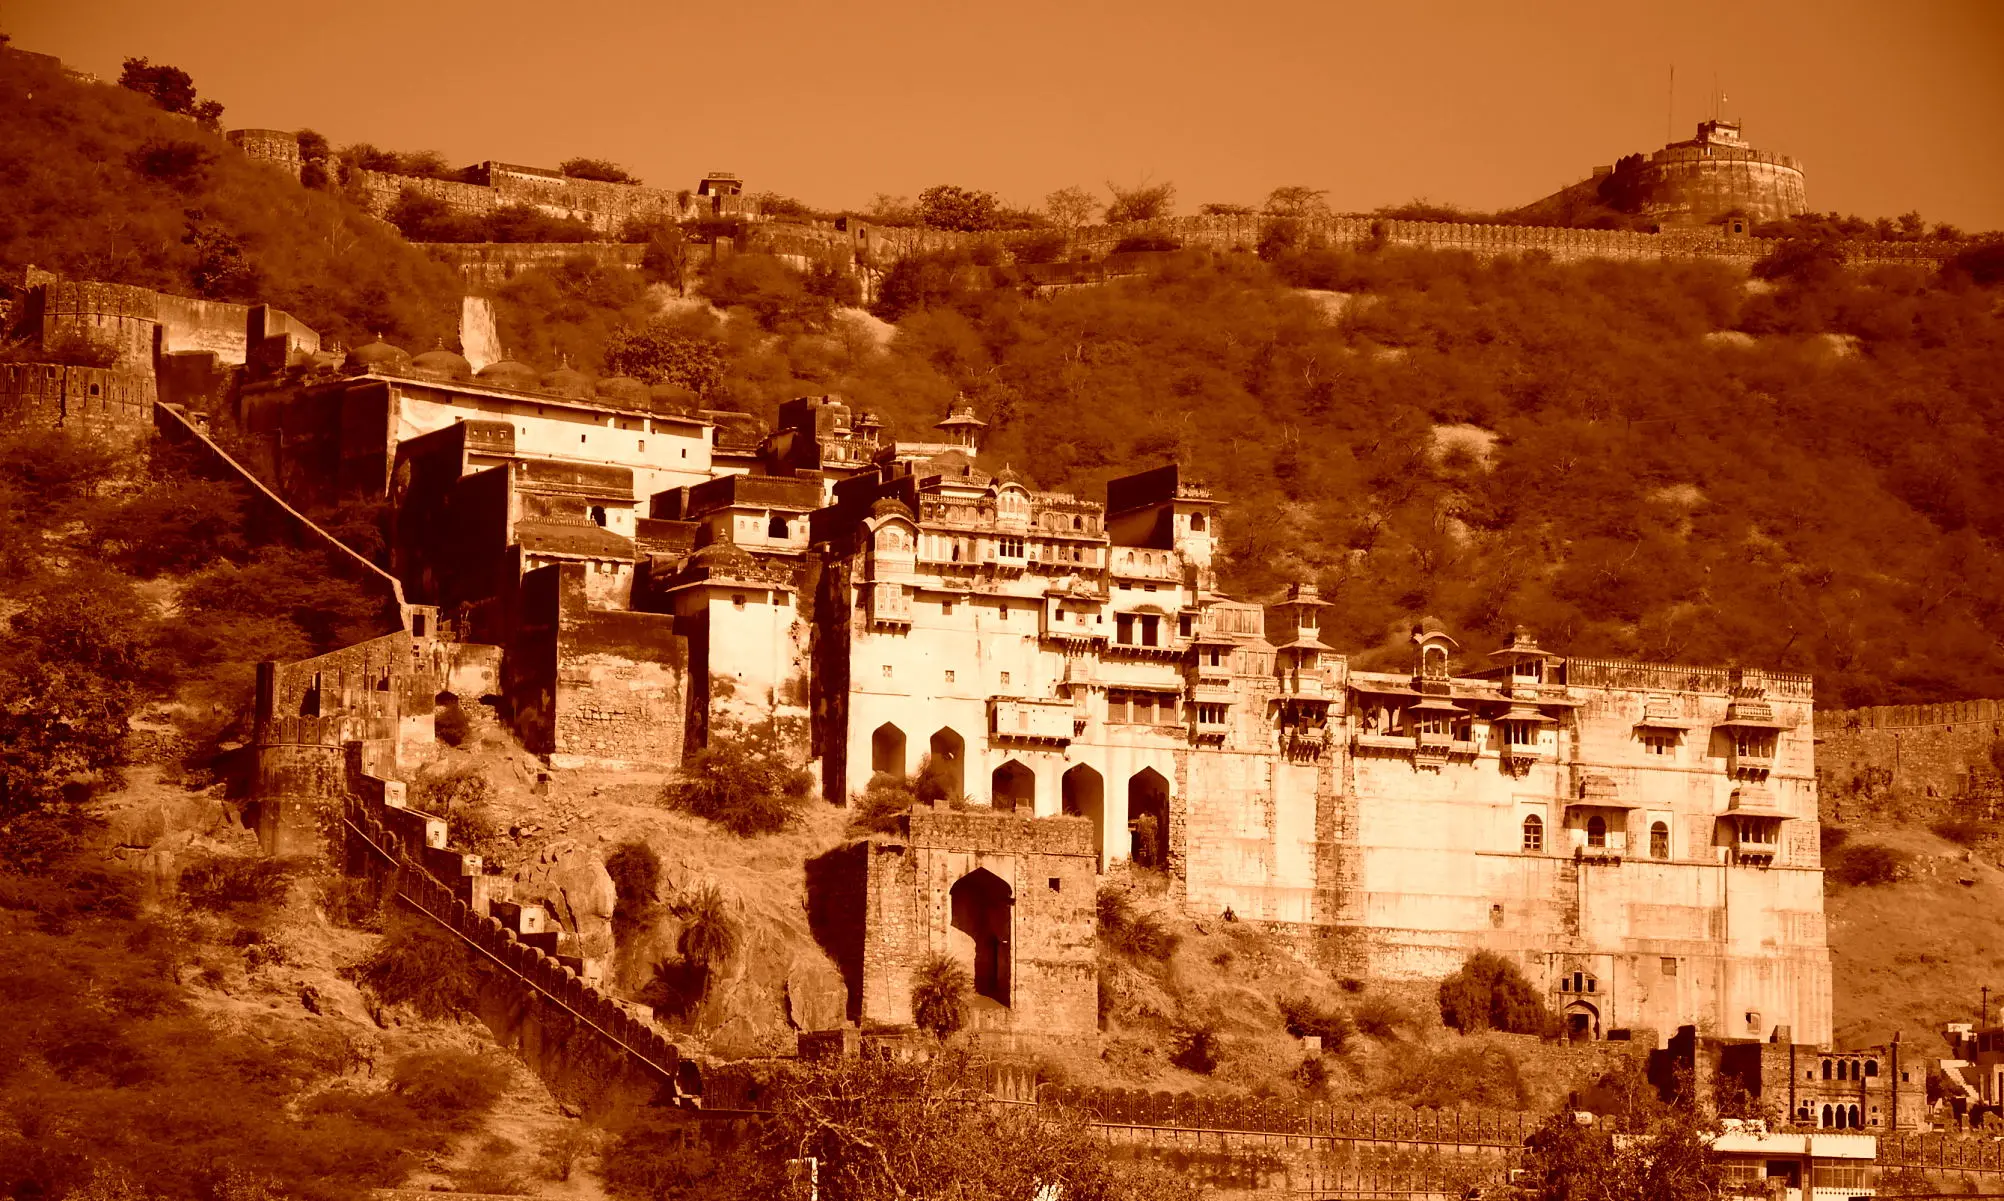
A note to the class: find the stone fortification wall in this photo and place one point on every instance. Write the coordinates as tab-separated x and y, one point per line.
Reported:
140	322
116	402
1922	753
605	207
486	265
1693	184
592	1051
274	146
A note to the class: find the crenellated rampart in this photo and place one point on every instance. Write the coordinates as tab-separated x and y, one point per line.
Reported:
591	1050
1926	757
116	402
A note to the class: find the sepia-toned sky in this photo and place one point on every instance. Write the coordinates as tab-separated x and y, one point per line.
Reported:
1889	106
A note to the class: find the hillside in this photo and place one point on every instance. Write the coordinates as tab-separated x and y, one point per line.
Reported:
100	184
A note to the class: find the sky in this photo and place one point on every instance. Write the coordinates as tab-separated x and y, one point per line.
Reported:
1889	107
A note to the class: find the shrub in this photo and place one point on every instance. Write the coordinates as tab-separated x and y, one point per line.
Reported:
939	996
449	724
1464	1074
710	932
602	170
219	883
420	965
1381	1016
635	869
1146	242
886	800
353	901
1132	931
442	789
1197	1050
1490	992
744	780
1831	839
1307	1019
1967	831
456	1086
1867	864
1038	246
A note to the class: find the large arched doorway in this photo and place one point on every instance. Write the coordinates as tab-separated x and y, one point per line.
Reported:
887	750
1084	795
1013	789
1582	1022
947	768
982	905
1148	818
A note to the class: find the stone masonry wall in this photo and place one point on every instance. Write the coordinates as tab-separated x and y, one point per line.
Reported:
1922	752
1048	864
112	401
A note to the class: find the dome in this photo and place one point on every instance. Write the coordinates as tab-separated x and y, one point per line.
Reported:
507	373
377	354
623	390
568	381
442	362
723	558
671	399
890	506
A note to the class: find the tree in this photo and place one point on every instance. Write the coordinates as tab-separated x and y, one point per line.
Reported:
1141	202
947	206
1296	200
882	1129
602	170
663	352
1644	1150
744	780
1489	992
169	87
1071	208
71	675
221	271
939	996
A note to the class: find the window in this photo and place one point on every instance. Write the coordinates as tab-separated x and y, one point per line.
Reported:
1519	733
1659	841
643	444
1658	743
1057	885
737	600
1196	523
887	671
1669	966
1596	831
946	608
1214	657
1123	629
1002	611
1116	706
1005	677
1150	633
1534	833
775	526
598	515
1210	715
1183	624
949	675
1009	548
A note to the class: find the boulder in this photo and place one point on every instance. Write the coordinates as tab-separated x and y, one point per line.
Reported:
570	881
816	998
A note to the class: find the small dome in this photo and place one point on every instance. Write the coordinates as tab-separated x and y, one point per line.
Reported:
722	557
568	381
377	354
623	390
891	506
442	362
507	373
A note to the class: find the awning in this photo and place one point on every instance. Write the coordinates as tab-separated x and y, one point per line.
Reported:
1525	713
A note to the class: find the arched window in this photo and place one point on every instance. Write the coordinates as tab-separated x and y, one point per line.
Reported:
1826	1117
1871	1068
775	526
1534	833
1854	1118
1659	841
1826	1076
1596	831
598	515
1197	523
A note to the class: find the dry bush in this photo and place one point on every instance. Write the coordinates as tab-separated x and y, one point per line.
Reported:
224	881
1132	931
418	964
452	1086
1867	865
1382	1016
745	780
1306	1018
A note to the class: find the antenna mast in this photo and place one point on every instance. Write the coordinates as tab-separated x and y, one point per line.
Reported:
1670	110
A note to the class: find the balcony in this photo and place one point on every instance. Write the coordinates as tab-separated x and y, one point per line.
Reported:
1304	743
1606	856
1209	731
1042	722
1521	758
1750	761
1161	653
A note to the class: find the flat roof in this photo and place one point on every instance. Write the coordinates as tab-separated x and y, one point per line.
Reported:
547	398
